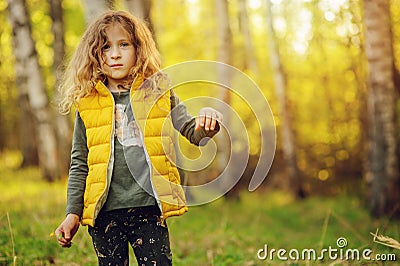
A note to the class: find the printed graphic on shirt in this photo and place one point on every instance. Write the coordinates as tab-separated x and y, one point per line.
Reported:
127	132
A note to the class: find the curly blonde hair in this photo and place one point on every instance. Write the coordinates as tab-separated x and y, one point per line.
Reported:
84	69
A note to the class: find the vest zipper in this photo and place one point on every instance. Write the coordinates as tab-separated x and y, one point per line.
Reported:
151	174
150	167
100	202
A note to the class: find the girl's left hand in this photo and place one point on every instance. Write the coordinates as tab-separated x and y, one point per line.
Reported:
208	118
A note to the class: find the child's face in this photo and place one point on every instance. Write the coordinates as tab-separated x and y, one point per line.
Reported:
119	55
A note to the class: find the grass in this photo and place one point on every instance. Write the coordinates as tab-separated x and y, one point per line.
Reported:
231	233
221	233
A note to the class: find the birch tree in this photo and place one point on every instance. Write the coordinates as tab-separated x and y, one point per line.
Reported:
224	55
28	143
142	10
31	88
381	169
62	123
280	83
249	58
94	8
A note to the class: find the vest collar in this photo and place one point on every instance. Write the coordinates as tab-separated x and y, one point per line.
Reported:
137	82
102	89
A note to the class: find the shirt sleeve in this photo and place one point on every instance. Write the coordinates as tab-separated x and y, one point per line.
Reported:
78	169
185	123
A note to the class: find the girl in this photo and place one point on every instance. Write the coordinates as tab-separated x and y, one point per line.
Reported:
122	182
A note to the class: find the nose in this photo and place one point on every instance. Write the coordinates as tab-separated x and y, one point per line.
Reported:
115	53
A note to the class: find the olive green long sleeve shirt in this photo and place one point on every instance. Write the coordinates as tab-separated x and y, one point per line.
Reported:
182	122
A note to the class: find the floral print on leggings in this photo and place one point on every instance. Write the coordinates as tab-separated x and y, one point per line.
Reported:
141	227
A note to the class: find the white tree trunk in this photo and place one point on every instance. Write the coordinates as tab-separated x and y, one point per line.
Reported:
249	57
62	122
142	10
94	8
224	55
280	80
381	165
30	84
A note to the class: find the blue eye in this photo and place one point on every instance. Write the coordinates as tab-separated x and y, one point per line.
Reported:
124	44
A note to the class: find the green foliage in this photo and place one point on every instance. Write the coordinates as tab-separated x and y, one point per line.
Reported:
8	94
231	233
74	23
221	233
35	208
395	16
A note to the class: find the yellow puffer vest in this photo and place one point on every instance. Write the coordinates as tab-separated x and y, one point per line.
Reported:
151	107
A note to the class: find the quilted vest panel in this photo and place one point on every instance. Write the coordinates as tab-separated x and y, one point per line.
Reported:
151	108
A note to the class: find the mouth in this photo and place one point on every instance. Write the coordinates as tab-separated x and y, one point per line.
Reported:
116	65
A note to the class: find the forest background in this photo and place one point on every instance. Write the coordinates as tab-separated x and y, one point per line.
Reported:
329	70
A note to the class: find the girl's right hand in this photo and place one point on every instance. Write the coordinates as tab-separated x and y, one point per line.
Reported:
67	229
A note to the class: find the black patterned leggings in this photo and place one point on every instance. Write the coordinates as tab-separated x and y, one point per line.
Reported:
141	227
